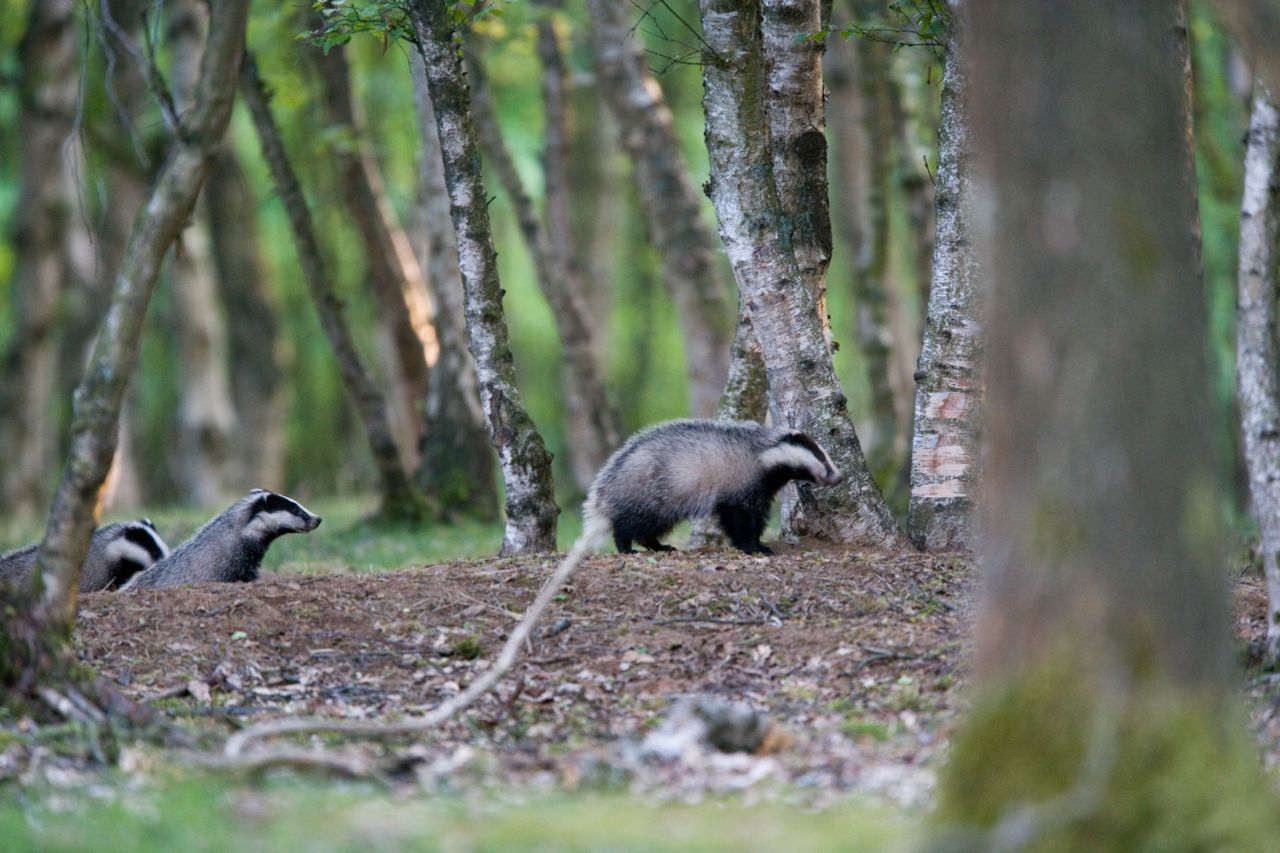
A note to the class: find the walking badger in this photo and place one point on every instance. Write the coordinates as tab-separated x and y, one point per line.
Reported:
230	547
689	469
117	552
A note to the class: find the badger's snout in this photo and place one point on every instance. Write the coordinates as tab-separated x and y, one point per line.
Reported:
833	477
313	523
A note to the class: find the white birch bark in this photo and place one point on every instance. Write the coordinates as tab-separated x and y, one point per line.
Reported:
668	201
526	464
944	450
804	389
457	461
1258	339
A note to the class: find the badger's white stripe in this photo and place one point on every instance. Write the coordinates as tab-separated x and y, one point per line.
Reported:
787	455
123	549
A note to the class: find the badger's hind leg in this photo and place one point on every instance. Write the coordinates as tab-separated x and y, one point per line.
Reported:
645	528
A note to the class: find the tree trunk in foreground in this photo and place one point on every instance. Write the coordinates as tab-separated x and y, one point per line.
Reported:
98	398
944	444
400	502
457	467
802	382
1102	645
48	87
526	464
594	430
1258	340
391	268
668	201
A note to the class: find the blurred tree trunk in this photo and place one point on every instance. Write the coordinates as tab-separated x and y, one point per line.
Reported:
915	121
526	464
98	399
944	452
598	194
1102	632
1258	340
593	423
400	501
47	99
669	202
253	327
754	223
207	423
391	267
1256	23
590	414
457	467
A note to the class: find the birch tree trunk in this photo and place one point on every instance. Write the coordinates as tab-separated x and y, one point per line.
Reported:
1258	340
1103	628
97	400
457	467
400	502
595	429
206	414
669	204
48	86
253	328
391	267
754	226
526	464
944	446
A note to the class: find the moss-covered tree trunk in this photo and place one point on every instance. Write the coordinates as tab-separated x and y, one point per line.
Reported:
458	465
526	464
399	499
98	398
944	443
1104	718
756	230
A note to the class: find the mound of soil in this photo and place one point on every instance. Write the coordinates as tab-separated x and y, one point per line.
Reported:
855	656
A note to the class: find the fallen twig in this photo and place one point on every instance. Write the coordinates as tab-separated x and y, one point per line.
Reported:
689	619
287	756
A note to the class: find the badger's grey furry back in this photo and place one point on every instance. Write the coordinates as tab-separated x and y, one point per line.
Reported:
117	552
230	547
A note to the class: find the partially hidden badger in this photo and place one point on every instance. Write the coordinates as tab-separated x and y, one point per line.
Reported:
231	545
688	469
117	552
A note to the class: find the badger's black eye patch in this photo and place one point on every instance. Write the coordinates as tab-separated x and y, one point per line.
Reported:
271	502
145	541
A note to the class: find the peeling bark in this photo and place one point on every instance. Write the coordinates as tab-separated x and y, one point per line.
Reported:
457	467
1258	339
47	90
754	226
98	399
400	501
526	464
944	447
391	268
594	425
668	201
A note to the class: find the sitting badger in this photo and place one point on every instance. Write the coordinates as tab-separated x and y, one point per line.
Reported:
689	469
117	552
230	547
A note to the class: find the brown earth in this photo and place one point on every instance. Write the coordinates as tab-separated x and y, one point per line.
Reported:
856	657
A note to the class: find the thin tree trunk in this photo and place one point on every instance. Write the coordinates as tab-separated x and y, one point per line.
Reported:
457	467
803	386
1103	628
667	199
400	501
912	116
944	452
391	267
526	464
28	438
253	325
590	413
97	407
586	400
206	414
1258	339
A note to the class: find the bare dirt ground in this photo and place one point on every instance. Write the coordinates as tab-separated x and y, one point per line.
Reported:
856	658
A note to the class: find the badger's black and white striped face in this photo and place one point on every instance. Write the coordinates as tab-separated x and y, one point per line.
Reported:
800	455
271	515
134	547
